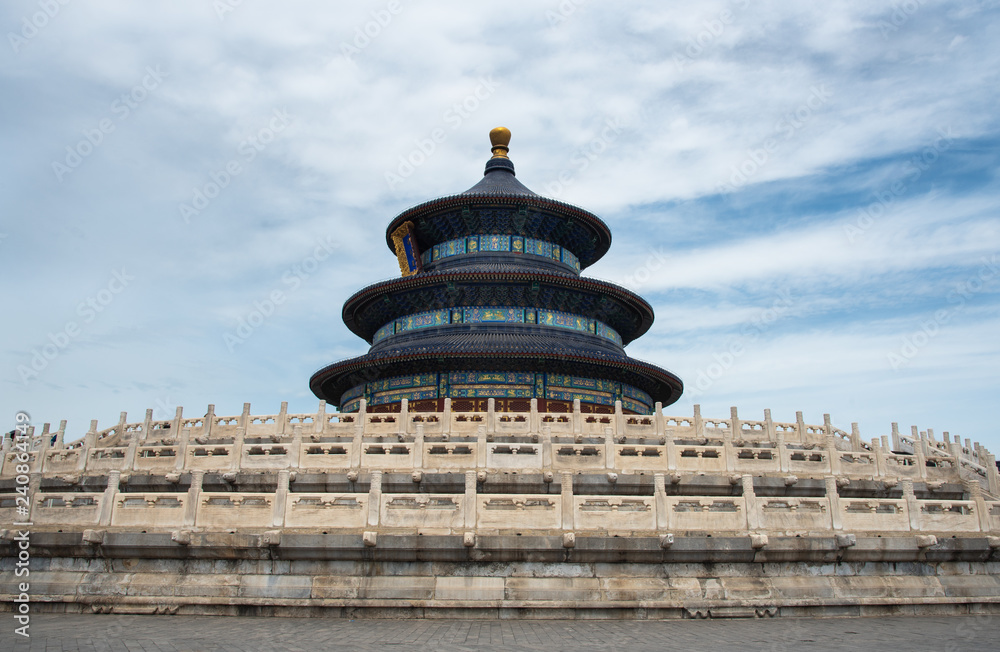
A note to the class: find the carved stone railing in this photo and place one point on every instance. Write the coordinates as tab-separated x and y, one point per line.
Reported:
491	440
478	508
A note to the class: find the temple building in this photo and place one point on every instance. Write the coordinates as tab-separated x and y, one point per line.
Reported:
491	304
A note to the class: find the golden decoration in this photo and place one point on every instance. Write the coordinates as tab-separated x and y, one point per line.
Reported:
406	229
500	138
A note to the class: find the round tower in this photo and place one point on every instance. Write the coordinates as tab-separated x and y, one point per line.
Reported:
491	304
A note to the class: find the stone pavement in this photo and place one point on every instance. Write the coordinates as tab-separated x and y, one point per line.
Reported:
120	633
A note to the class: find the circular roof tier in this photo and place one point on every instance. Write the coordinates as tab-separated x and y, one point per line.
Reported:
478	351
497	285
500	204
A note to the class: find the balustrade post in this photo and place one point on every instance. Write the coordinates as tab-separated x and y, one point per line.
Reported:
294	451
660	502
879	457
912	506
209	424
671	454
471	505
546	440
446	426
750	500
61	435
833	454
418	448
281	497
279	428
727	440
833	496
238	441
566	494
609	449
109	498
975	491
320	426
375	498
783	456
131	453
360	426
120	428
176	426
43	450
481	444
89	441
182	442
193	498
147	425
920	453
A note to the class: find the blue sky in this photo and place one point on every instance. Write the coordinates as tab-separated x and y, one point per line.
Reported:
806	193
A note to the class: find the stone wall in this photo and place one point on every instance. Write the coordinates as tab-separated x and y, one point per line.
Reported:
505	514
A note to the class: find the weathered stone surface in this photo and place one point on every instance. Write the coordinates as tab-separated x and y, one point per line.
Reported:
607	519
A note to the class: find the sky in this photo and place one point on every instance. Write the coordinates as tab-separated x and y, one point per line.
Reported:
807	193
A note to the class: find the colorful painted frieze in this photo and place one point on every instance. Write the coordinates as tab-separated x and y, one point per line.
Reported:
380	398
497	314
607	332
637	394
354	392
495	242
384	332
490	391
564	320
586	397
570	259
636	406
474	377
492	315
561	380
403	381
537	247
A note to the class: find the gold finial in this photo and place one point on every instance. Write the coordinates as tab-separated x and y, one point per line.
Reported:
500	138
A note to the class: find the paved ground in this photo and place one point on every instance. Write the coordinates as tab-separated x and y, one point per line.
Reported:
94	633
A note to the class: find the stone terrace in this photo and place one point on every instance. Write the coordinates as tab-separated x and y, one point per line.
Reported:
505	514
